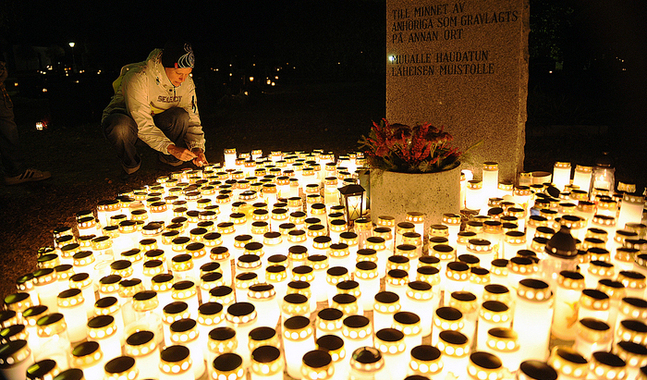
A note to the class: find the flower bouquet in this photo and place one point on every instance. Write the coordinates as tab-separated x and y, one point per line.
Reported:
405	149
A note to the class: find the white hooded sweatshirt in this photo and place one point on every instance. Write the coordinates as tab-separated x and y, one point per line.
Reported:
143	90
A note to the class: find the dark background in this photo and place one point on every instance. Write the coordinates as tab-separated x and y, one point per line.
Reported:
588	57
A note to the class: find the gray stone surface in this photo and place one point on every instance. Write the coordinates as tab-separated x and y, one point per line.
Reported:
463	65
433	194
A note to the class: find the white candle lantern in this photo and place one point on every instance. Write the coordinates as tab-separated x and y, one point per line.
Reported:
319	264
47	287
347	303
561	175
230	158
222	340
474	196
385	306
222	256
455	347
605	365
492	314
329	322
582	177
503	342
88	357
425	360
103	330
536	370
357	332
143	348
15	358
594	303
592	335
185	332
391	344
456	278
267	363
634	282
467	303
569	287
263	296
446	318
242	317
334	346
409	324
43	369
634	355
334	276
596	271
298	338
72	305
53	341
631	330
532	318
419	299
175	363
568	363
317	364
485	365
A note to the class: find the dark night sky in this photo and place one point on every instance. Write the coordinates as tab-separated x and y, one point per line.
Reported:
117	32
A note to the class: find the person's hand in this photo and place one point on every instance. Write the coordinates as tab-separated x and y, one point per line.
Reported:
201	159
182	154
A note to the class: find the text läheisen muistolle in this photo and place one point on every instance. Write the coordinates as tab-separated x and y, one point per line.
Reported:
471	62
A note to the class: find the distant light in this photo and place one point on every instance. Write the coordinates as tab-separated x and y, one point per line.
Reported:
76	81
391	58
246	93
273	84
268	81
251	79
339	63
50	68
98	72
276	77
254	65
72	43
550	71
230	65
15	84
231	74
40	126
44	90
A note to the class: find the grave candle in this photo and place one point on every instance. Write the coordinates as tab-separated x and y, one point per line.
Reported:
267	363
142	346
532	318
175	363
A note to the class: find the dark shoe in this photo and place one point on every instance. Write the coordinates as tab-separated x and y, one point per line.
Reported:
29	175
169	160
131	170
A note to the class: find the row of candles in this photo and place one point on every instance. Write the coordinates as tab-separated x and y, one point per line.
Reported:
224	272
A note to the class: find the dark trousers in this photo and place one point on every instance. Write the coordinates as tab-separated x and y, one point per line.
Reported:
121	131
12	157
